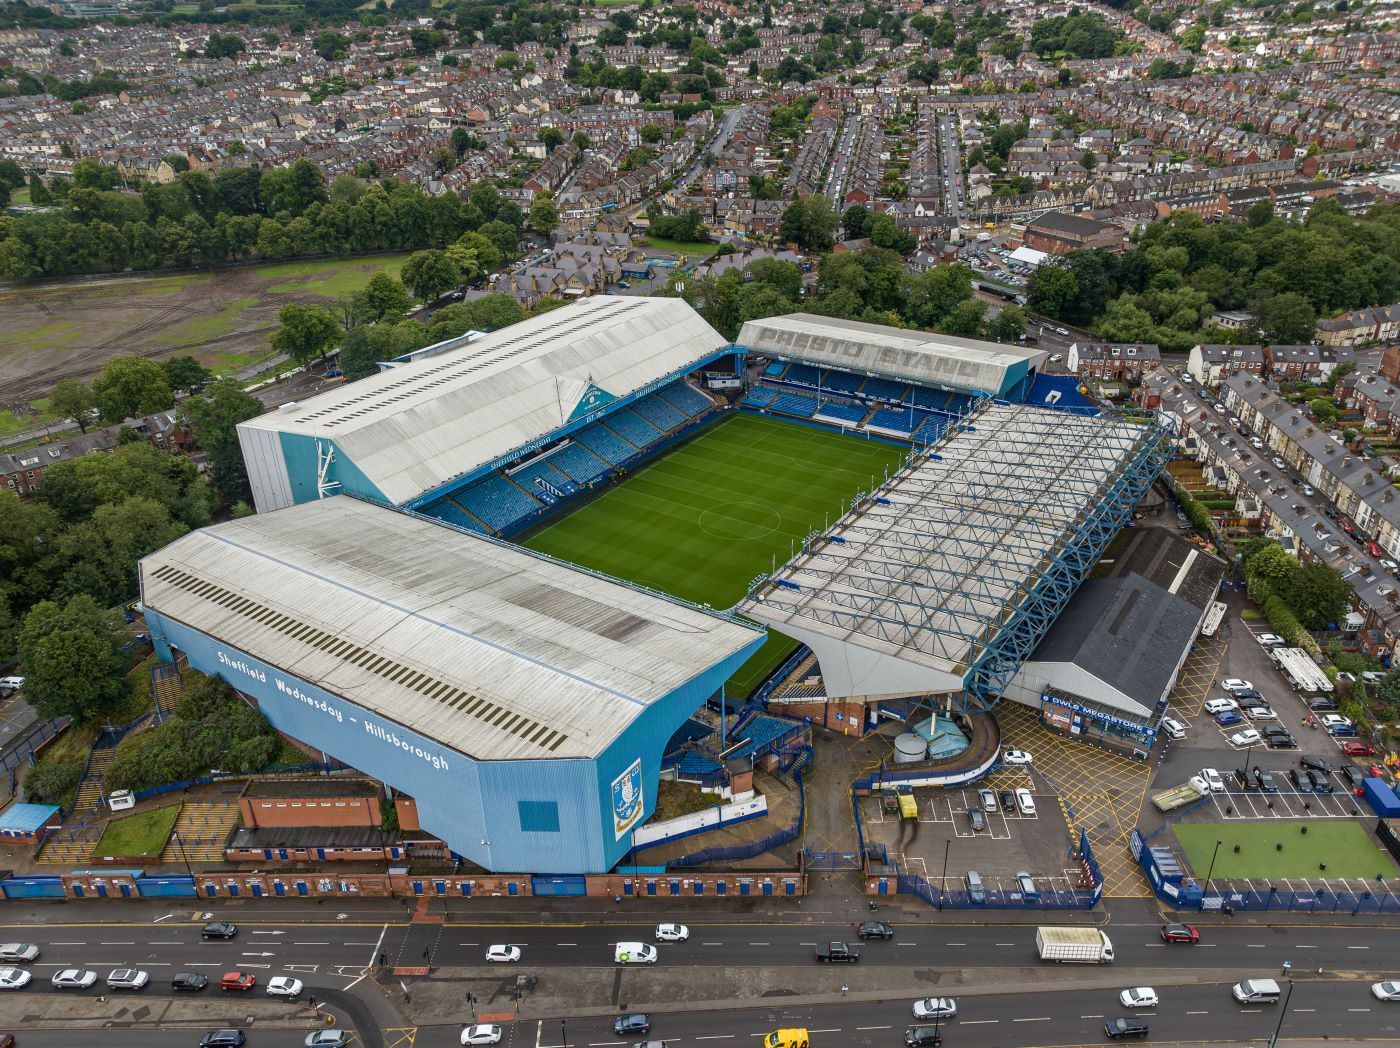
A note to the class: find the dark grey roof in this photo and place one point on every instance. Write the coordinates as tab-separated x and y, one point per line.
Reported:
310	837
1064	222
1159	556
312	786
1125	631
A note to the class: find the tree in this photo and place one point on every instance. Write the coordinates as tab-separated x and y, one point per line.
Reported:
1051	290
503	235
492	312
71	399
552	138
384	296
811	224
1007	325
130	387
855	223
544	216
784	277
1089	160
582	141
186	374
430	274
364	347
1317	594
214	417
1323	410
1288	315
966	318
307	332
70	660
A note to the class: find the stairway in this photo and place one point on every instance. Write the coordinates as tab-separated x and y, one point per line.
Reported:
166	688
790	775
93	785
201	831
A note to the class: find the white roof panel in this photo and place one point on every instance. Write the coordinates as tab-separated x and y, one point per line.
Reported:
917	356
418	426
489	649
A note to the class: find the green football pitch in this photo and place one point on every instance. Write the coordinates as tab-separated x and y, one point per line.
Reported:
702	521
1345	846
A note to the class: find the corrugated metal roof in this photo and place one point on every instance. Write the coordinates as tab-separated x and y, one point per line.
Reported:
26	818
418	426
917	356
489	649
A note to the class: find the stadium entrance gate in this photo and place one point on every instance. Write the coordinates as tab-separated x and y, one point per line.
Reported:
830	861
572	884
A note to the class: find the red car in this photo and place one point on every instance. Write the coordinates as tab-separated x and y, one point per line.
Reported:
1180	933
1358	749
237	980
1375	550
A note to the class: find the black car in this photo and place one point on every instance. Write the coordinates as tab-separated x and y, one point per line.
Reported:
1116	1028
1245	779
1248	697
1315	764
1302	780
922	1035
974	816
222	1039
875	930
637	1023
1322	704
1265	779
1008	800
1320	783
219	930
1354	777
189	981
1279	738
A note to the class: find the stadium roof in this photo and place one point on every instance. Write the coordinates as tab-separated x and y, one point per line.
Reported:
916	356
486	648
416	427
913	585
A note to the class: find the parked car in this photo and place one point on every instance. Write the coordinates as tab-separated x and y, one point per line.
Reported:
1016	757
1386	991
1248	737
223	1039
73	979
503	954
127	979
1277	737
327	1039
634	1023
1258	712
1025	801
190	982
1271	640
1218	706
977	820
988	800
1008	800
18	952
1234	684
1213	779
1358	749
14	978
935	1008
1354	777
1139	997
283	986
1225	718
1322	704
1120	1028
238	981
1265	778
1301	779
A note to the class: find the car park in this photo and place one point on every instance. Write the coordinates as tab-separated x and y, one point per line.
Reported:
1025	802
1117	1029
935	1008
190	982
1138	997
977	820
218	930
1180	933
127	979
18	952
14	978
503	954
486	1033
875	930
629	1024
672	933
1217	706
73	979
1248	737
283	986
238	981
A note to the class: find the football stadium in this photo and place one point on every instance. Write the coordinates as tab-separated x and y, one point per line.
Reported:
522	579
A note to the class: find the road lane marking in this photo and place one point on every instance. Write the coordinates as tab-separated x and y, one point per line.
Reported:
1300	1010
977	1022
1037	1019
1358	1009
872	1027
955	944
117	944
714	1037
834	1029
1006	944
1205	1013
310	944
68	944
721	944
1358	947
1305	947
1091	1017
165	918
164	943
383	930
765	944
566	944
906	944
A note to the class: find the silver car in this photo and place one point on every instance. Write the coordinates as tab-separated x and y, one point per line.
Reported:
128	979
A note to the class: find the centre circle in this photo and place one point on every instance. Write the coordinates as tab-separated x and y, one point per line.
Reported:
741	520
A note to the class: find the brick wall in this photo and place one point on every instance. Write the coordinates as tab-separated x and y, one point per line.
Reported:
309	811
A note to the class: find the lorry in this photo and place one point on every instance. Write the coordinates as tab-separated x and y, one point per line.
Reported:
836	953
1074	945
1177	796
908	806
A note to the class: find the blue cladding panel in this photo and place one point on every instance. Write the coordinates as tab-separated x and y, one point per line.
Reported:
538	816
299	453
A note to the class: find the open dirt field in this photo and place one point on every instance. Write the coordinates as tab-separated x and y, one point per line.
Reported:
223	319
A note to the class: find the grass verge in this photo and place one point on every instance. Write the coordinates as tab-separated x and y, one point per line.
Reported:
143	835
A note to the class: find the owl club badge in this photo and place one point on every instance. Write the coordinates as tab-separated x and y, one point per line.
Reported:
627	799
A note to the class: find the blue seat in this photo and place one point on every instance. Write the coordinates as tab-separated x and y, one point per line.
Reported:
775	369
803	375
686	400
606	444
631	427
579	463
931	429
758	397
659	413
922	397
798	404
899	420
545	471
843	410
498	502
884	389
841	381
447	512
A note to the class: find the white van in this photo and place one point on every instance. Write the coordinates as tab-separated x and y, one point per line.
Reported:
634	953
1256	991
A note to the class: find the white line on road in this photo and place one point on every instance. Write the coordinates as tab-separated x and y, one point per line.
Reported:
1254	946
383	929
721	944
766	944
381	939
1305	947
310	944
1005	944
872	1027
566	944
1037	1019
955	944
906	944
165	918
1305	1009
800	944
834	1029
716	1037
1358	1009
117	944
1207	1013
1091	1017
977	1022
1358	947
164	943
70	944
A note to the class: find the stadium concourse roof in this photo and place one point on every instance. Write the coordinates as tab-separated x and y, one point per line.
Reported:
907	590
915	356
419	426
491	650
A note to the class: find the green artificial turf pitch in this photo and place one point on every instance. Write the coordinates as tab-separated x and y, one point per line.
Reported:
702	521
1345	846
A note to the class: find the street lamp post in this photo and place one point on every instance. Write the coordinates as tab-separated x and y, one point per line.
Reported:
180	843
1205	887
1273	1041
563	1034
943	881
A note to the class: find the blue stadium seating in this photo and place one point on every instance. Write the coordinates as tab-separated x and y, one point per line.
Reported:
444	510
775	369
840	381
579	463
659	413
606	444
545	471
684	399
845	410
797	404
760	730
901	420
802	374
498	502
758	397
937	399
631	427
884	389
932	429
